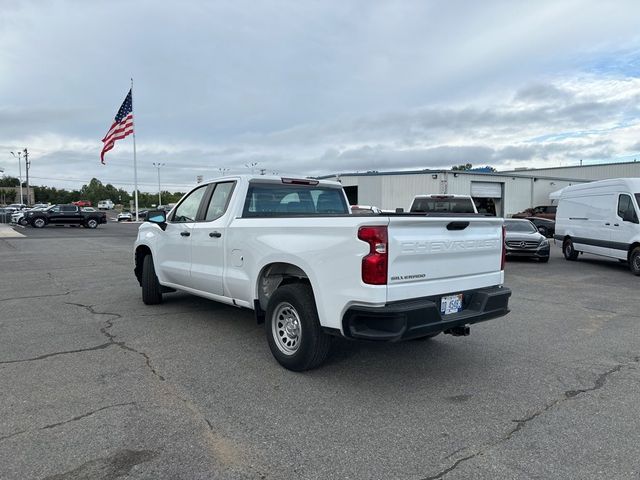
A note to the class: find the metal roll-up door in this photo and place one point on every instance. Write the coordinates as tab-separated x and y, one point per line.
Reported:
486	189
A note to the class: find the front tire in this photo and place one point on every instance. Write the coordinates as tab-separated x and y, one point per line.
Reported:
151	290
634	261
568	251
91	223
39	222
293	329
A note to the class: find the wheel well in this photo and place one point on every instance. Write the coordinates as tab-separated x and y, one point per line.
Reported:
632	248
141	252
273	276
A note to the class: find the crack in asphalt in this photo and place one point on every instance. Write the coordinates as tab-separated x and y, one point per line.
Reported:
521	423
37	296
112	338
48	355
74	419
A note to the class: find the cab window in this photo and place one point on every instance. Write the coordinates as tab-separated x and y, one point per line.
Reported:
626	211
219	200
188	208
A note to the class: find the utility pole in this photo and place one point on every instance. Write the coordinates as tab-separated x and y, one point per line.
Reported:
158	165
28	164
19	172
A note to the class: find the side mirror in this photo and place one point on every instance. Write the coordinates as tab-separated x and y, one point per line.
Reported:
159	217
399	210
542	229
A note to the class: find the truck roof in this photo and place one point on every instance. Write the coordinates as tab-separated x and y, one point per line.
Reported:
293	179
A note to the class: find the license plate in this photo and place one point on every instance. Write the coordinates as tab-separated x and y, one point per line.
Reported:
451	304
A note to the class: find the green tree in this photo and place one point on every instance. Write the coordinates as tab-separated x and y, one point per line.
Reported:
466	166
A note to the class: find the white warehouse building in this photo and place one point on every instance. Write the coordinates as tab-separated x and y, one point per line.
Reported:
503	193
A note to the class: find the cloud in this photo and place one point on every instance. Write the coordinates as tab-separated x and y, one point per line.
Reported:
316	87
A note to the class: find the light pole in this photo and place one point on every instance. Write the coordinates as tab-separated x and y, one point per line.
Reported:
27	164
251	166
20	171
158	165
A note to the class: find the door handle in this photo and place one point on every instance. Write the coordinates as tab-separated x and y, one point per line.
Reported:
185	234
215	234
607	224
616	224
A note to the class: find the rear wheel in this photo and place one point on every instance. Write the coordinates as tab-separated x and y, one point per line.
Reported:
568	251
293	329
634	261
151	290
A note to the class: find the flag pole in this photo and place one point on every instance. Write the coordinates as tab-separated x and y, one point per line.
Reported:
135	165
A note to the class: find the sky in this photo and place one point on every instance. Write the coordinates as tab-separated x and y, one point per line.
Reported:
299	87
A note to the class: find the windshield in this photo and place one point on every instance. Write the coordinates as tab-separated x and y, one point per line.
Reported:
520	226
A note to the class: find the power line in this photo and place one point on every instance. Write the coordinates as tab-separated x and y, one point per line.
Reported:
113	182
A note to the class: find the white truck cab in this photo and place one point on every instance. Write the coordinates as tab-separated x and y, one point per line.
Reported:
601	218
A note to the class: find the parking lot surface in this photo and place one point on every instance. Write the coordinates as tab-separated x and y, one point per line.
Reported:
94	384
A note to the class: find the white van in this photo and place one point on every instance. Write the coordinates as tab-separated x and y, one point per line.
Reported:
601	218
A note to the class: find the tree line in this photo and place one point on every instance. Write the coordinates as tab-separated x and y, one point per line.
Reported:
94	191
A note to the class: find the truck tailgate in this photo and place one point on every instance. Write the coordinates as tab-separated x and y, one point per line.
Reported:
438	255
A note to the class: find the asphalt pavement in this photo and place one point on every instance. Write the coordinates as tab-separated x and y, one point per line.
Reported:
94	384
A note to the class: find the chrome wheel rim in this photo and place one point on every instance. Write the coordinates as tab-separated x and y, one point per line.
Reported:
636	263
39	222
568	249
92	224
286	329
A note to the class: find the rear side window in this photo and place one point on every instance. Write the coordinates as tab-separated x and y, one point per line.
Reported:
626	210
265	200
219	201
69	208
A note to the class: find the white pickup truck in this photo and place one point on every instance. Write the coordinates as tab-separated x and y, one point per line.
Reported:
290	250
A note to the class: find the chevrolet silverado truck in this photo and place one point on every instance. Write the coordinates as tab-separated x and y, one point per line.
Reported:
291	250
64	215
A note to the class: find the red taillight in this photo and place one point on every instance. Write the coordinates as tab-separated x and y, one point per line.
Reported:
504	247
374	265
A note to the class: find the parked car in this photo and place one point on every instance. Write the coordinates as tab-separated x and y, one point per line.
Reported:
105	205
541	211
125	217
443	203
20	217
289	250
65	215
524	240
18	206
601	218
82	203
545	226
88	209
365	210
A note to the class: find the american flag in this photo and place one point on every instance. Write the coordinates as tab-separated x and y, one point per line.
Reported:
122	126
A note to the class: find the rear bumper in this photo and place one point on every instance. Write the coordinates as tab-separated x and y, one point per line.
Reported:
421	316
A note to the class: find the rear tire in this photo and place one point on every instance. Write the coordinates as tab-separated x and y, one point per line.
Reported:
568	251
293	329
634	261
151	290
